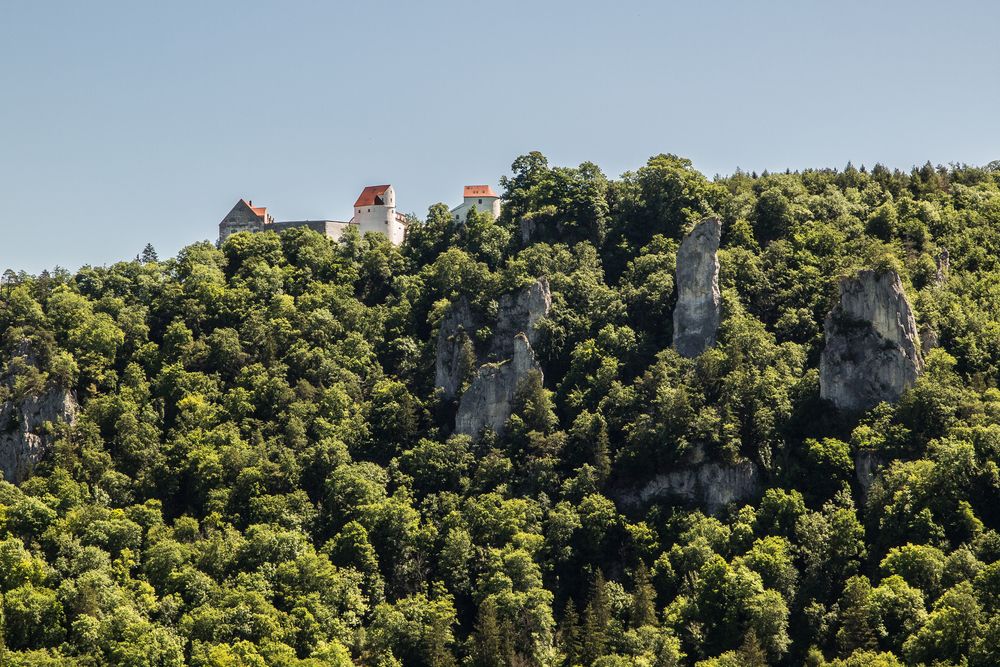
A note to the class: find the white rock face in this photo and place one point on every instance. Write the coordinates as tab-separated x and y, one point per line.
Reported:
872	351
710	485
502	361
22	442
488	401
519	313
454	348
699	302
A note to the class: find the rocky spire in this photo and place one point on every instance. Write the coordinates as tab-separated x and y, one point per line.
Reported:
498	365
488	401
456	354
696	317
872	349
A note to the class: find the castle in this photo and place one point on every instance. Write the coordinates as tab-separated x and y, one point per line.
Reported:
478	197
374	211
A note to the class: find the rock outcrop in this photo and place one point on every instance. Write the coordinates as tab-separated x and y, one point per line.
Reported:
943	264
23	441
519	313
502	361
928	340
712	486
866	467
488	401
872	349
699	302
456	353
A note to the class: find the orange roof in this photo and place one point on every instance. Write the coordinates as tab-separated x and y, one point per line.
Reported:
259	211
478	191
371	195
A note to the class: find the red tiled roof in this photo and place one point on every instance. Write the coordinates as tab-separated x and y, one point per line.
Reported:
259	211
478	191
370	194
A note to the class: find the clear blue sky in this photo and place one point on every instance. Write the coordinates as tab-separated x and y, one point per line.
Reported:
123	123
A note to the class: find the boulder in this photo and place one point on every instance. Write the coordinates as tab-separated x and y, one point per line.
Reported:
872	351
488	401
711	486
699	302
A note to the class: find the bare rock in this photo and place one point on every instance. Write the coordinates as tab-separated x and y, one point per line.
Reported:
943	265
866	467
699	302
488	401
456	354
23	436
872	349
928	340
712	486
519	312
528	227
498	365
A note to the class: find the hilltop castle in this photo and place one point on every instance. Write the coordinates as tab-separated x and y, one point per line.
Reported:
374	211
478	197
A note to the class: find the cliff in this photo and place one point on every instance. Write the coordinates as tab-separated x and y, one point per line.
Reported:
488	401
872	351
456	354
708	485
519	312
23	438
502	361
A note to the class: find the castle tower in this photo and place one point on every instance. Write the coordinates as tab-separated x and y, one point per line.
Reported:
375	211
478	197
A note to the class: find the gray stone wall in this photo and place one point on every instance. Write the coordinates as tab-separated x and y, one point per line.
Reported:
245	223
330	228
239	221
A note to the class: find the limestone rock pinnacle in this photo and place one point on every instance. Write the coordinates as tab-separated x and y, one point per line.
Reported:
699	302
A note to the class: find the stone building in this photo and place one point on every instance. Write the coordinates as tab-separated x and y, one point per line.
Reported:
374	211
478	197
245	217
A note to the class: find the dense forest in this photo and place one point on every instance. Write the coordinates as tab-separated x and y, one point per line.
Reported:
262	471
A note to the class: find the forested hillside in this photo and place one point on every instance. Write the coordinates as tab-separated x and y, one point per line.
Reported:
261	470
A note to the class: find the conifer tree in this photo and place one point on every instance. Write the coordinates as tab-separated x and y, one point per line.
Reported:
643	598
569	639
487	643
596	617
149	254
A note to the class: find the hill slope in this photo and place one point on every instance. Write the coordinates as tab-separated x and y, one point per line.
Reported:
259	470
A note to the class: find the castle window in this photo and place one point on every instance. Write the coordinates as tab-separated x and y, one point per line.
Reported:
480	201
